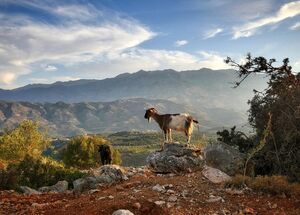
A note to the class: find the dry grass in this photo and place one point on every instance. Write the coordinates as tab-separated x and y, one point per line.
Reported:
267	184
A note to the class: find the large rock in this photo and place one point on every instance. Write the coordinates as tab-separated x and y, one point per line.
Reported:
214	175
59	187
28	191
224	158
109	174
175	158
122	212
83	184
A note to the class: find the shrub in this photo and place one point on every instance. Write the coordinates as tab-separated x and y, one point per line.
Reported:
37	172
267	184
25	139
82	152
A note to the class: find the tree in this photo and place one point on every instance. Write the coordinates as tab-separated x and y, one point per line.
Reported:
25	139
82	152
281	100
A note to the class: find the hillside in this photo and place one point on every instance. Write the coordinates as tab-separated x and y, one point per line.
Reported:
194	195
63	119
204	88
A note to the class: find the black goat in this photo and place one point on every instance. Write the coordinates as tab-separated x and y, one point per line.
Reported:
105	154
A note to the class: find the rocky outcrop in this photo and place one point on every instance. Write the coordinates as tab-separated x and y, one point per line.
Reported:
225	158
29	191
175	158
109	174
214	175
83	184
59	187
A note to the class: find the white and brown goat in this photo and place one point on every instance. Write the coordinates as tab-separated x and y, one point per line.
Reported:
168	122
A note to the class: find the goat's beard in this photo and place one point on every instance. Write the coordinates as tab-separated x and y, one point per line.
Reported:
149	119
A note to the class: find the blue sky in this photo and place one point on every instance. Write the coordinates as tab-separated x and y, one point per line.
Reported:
48	41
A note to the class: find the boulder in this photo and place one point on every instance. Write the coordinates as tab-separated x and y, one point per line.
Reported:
214	175
60	186
109	174
83	184
225	158
122	212
175	158
28	191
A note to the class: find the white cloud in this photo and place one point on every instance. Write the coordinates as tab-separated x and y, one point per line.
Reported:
288	10
179	43
212	33
296	26
26	43
50	68
296	67
135	59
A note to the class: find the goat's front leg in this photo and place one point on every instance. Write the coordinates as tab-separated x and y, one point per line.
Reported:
170	136
188	140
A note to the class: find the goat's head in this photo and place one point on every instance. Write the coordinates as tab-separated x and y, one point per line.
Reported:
149	113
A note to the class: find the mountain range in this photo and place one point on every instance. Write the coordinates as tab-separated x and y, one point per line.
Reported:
115	104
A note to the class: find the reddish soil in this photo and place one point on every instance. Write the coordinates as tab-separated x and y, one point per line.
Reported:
138	189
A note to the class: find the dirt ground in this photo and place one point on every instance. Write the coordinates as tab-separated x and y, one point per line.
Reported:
184	194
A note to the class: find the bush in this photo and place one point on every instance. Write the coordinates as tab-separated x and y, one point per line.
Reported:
266	184
25	139
236	139
82	152
37	172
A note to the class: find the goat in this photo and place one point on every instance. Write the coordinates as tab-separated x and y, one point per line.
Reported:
105	154
168	122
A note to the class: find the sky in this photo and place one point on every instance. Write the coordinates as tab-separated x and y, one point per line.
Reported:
48	41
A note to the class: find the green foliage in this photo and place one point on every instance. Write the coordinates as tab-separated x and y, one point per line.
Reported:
267	184
37	172
26	139
236	139
82	152
281	100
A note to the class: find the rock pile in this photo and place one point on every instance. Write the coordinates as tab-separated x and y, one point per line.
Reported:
175	158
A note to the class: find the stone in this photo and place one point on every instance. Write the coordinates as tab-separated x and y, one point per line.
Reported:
175	158
110	174
234	191
214	175
158	188
83	184
170	192
172	199
122	212
137	205
225	158
213	199
29	191
44	189
60	186
159	203
170	204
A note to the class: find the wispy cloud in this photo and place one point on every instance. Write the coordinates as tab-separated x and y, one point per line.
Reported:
50	68
179	43
212	33
135	59
288	10
296	26
25	42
